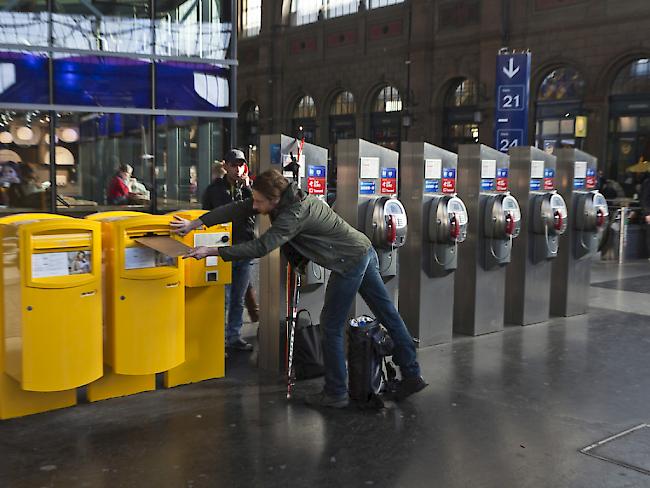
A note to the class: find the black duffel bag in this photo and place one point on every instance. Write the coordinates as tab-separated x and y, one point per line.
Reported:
368	346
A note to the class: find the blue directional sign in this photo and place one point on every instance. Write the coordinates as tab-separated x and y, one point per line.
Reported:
431	186
512	95
366	187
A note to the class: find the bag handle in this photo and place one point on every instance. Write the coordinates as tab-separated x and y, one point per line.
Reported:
308	315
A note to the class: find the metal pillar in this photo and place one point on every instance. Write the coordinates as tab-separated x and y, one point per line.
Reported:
360	185
427	266
528	277
479	295
571	273
274	151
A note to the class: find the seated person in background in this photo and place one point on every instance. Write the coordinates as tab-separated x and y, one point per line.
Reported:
8	176
119	190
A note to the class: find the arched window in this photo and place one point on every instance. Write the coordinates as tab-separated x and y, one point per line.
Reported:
629	120
386	118
304	119
633	79
558	103
460	114
251	18
249	134
344	104
388	100
342	122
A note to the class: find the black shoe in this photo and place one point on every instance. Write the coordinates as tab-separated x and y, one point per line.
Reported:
239	345
322	399
406	387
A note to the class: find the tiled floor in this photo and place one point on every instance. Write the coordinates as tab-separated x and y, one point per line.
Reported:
505	410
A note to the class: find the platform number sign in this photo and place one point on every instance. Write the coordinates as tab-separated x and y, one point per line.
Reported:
512	95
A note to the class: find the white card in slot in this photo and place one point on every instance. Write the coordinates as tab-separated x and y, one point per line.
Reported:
212	260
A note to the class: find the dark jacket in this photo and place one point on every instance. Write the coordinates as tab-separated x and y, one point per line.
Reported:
221	193
311	228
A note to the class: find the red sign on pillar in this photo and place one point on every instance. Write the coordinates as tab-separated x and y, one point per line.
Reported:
316	180
388	183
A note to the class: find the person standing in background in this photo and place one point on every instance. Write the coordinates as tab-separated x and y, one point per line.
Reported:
234	187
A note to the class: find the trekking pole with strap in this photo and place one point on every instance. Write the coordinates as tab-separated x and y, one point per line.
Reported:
293	296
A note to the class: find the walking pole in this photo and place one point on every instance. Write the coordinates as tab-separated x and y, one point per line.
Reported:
293	296
293	293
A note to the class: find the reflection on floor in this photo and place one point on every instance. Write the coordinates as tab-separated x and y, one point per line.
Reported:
505	410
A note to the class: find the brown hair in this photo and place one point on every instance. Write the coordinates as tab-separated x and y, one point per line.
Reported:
271	184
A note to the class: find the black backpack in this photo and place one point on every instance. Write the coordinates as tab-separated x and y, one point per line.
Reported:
369	371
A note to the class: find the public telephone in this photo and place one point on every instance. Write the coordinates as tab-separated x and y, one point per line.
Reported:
502	223
446	223
591	217
549	221
386	226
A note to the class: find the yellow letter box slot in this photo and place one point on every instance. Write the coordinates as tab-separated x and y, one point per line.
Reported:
53	341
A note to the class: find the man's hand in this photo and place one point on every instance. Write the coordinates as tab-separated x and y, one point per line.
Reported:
182	226
201	252
647	219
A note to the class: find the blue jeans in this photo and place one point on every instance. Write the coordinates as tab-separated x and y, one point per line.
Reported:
339	297
235	292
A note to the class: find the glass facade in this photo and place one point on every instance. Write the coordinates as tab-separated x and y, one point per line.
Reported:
308	11
461	107
559	101
386	118
135	83
629	120
303	123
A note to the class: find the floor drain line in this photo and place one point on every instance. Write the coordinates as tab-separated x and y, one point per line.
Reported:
589	449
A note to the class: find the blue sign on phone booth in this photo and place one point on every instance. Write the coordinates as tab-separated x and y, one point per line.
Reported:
512	95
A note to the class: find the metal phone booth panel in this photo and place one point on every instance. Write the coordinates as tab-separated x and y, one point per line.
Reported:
494	222
205	315
544	219
571	273
14	401
278	151
437	226
366	198
144	307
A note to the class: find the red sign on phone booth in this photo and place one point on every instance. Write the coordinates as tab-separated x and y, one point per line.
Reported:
449	180
388	183
316	176
549	184
502	179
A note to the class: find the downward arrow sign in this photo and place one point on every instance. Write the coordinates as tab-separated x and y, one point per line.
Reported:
511	71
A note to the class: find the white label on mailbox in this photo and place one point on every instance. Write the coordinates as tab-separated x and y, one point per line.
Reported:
489	168
212	260
580	169
139	257
369	168
537	169
49	264
211	239
432	169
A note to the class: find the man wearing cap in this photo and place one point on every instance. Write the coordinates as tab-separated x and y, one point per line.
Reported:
234	187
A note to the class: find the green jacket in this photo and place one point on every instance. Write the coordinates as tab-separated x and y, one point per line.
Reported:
311	228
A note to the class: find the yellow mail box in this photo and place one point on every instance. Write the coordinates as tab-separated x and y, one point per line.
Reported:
205	281
52	303
144	298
